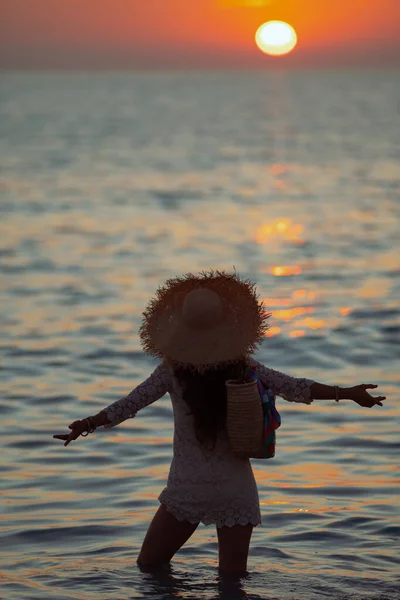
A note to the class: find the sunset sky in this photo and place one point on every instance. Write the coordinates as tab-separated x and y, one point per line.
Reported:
158	34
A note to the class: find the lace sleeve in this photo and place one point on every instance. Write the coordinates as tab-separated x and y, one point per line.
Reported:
150	390
292	389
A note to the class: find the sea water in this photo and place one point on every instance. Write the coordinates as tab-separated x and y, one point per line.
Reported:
112	183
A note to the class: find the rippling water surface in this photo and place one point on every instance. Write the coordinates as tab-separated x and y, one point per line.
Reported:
112	183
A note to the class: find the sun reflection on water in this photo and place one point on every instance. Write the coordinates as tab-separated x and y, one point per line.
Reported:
288	314
272	331
284	229
295	333
285	271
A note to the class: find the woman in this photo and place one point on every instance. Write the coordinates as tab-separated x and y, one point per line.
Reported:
205	329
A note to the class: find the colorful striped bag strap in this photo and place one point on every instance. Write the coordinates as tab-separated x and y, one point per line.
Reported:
272	418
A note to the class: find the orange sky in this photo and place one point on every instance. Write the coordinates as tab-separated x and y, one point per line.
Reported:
193	33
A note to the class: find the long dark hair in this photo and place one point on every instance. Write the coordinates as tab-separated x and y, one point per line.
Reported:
205	395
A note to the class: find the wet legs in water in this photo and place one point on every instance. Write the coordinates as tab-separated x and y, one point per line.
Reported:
166	535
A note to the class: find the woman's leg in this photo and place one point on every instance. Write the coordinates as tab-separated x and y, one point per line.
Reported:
233	543
164	537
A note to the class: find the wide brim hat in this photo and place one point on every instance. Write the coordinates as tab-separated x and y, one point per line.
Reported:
203	321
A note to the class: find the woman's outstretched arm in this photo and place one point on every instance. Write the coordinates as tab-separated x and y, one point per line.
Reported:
357	393
304	390
150	390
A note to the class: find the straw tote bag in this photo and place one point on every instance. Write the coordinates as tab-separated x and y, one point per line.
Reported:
252	417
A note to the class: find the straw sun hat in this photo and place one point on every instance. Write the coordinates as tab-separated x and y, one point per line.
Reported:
202	321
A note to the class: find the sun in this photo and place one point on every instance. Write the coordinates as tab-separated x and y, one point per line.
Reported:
276	38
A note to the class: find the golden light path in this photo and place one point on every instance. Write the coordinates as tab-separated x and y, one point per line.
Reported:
276	38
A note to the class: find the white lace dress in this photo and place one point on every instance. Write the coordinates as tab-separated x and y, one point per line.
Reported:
203	485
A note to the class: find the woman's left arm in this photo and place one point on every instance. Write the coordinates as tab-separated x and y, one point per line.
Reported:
150	390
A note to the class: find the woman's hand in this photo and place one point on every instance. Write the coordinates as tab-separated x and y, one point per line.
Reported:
359	394
77	427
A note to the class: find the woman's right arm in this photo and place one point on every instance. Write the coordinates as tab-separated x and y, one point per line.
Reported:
303	390
357	393
292	389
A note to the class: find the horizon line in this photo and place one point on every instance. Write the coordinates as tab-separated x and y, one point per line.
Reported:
157	69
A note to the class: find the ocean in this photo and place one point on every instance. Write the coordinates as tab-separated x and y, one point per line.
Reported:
110	184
